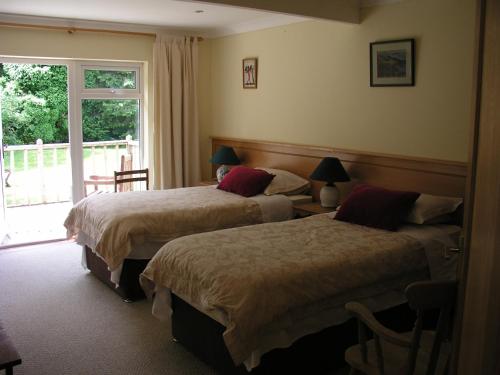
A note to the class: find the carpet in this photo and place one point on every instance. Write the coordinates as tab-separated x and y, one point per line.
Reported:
64	321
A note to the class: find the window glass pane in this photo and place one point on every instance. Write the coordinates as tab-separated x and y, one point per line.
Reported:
110	79
110	140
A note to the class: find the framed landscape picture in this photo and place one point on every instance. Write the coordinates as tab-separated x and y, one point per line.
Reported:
392	63
250	73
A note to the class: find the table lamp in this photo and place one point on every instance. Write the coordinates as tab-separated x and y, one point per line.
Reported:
329	170
225	156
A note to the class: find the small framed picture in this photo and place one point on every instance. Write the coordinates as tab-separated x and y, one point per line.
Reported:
392	63
250	73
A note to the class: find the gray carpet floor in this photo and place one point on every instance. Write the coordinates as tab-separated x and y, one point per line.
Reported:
64	321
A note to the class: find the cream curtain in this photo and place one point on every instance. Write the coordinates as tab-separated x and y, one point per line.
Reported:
175	133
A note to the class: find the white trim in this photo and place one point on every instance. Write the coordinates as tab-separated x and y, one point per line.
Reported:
75	131
142	110
3	222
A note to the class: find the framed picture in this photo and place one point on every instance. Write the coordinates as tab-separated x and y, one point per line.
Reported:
392	63
250	73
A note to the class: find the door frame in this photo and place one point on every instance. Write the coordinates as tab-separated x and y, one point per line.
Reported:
478	351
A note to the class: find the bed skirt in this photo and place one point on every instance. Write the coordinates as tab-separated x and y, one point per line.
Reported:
317	353
129	288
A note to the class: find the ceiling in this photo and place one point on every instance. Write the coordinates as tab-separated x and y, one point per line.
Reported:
214	20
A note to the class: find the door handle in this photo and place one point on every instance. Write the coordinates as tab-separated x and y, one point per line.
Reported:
449	251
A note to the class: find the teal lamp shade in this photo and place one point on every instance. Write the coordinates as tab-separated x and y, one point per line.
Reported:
329	170
224	156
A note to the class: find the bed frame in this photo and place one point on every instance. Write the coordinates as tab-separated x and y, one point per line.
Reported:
323	351
317	353
130	289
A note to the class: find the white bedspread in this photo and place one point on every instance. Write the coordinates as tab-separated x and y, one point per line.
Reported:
200	209
299	320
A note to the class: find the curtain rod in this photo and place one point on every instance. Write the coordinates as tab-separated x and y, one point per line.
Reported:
71	30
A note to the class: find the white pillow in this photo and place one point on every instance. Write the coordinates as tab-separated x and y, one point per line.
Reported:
285	183
427	208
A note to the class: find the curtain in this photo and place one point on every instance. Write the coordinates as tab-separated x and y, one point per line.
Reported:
175	132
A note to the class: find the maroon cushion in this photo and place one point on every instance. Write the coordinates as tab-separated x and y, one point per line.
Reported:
245	181
376	207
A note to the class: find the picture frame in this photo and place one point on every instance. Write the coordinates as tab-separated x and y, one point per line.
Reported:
392	63
250	70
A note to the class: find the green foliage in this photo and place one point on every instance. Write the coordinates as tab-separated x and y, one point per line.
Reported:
98	79
34	105
107	120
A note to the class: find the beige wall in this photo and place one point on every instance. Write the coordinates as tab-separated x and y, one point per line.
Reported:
313	84
83	45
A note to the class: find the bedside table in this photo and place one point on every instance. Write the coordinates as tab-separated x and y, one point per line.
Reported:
212	181
308	209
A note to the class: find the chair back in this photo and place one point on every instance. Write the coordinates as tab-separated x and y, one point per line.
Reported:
126	164
424	296
124	179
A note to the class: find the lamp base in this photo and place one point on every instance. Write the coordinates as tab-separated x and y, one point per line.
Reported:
221	172
329	196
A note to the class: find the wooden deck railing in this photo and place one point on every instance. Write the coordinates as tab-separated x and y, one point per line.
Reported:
41	173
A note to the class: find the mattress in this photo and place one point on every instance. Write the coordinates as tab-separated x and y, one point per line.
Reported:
419	255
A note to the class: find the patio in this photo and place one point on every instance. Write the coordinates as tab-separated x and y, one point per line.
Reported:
38	188
36	223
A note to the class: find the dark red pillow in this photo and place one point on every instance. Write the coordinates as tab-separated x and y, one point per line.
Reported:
245	181
376	207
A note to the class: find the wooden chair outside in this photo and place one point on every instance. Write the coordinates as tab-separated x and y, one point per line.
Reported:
124	180
96	181
411	353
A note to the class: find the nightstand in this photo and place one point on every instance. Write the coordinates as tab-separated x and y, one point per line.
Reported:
308	209
212	181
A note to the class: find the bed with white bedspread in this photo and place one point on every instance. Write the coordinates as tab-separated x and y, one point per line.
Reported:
134	225
271	284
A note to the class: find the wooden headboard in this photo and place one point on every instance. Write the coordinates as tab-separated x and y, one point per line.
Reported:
431	176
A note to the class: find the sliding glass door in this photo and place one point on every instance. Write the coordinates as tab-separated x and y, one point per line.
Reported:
68	125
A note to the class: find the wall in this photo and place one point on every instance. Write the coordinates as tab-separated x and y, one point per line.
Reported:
313	83
83	45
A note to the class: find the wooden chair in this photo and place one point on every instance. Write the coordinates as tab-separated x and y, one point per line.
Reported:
411	353
124	183
95	180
